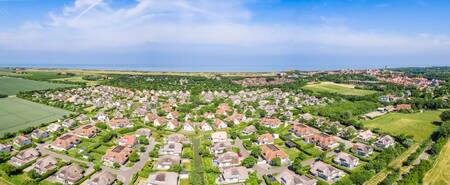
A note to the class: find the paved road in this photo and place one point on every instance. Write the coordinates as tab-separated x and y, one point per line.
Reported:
309	162
124	174
265	169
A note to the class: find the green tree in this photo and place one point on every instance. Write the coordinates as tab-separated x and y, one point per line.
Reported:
249	162
276	161
4	156
297	166
134	157
143	140
236	149
33	174
256	152
445	116
253	179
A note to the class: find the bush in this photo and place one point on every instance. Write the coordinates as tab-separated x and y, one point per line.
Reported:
176	168
249	162
101	125
445	116
143	140
276	161
134	157
3	96
416	174
391	178
33	174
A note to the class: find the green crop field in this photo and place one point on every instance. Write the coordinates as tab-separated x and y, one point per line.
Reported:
17	114
439	174
12	86
331	87
419	125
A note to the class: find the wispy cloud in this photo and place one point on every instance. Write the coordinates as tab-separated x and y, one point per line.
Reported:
94	24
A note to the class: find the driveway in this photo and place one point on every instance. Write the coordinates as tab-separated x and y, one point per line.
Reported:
309	162
265	169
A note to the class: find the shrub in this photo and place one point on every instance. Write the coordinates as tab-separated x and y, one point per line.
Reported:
249	162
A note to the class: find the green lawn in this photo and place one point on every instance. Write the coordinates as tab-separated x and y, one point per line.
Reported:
439	174
12	86
291	152
17	114
331	87
418	125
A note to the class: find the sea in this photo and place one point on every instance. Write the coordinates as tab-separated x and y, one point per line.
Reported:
207	67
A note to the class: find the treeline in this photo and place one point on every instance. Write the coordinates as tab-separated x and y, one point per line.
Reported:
343	111
344	78
93	77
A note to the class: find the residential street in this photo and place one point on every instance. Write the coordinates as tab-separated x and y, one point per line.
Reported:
265	169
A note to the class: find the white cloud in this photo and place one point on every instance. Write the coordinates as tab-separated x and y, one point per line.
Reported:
94	24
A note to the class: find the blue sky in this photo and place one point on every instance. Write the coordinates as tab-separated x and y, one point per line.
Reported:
293	34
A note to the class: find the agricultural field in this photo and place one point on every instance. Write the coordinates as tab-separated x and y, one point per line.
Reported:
331	87
17	114
439	174
12	86
419	125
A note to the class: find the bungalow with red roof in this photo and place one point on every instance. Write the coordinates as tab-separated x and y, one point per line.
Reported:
86	131
322	140
127	140
264	139
172	124
116	123
150	117
65	142
301	130
21	141
118	154
270	152
219	124
271	122
400	107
